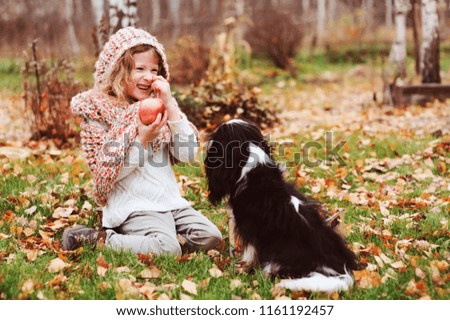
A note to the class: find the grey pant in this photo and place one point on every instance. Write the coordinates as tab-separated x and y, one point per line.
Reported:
156	232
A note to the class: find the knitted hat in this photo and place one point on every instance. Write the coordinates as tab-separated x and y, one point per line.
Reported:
116	46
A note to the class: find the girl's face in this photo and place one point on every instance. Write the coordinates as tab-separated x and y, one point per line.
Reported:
141	78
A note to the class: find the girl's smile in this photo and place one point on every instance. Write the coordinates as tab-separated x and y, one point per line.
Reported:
142	75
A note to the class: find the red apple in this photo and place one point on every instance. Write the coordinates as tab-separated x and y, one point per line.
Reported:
149	110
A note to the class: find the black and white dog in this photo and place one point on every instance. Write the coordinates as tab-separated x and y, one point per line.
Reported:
278	227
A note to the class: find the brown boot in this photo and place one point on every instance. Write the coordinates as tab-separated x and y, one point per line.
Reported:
78	236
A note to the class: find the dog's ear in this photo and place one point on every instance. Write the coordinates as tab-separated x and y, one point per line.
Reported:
215	171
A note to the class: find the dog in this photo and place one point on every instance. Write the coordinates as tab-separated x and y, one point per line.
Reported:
279	228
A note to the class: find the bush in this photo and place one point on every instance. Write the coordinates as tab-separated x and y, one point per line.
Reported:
211	104
47	91
220	96
276	34
189	60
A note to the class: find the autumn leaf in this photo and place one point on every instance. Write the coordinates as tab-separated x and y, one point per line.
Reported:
416	288
101	261
32	255
152	273
62	212
215	272
146	259
189	286
148	290
57	265
367	279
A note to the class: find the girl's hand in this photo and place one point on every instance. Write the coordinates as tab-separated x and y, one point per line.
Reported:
161	87
147	133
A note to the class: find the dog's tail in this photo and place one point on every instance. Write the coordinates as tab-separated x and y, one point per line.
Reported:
327	280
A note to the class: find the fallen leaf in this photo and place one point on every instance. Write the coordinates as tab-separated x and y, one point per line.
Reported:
152	273
235	283
413	288
164	296
189	286
441	167
148	290
31	210
62	212
28	287
32	255
28	232
56	265
419	273
101	262
255	296
213	253
127	288
367	279
215	272
87	206
101	271
440	265
398	265
31	179
103	286
122	270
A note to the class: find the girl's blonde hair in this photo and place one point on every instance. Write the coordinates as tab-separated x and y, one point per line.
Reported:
121	74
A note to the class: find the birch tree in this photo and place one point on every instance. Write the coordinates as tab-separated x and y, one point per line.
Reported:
388	17
74	45
306	4
321	16
174	10
368	9
398	50
156	13
430	43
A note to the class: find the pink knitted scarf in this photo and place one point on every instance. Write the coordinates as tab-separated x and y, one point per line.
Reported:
108	130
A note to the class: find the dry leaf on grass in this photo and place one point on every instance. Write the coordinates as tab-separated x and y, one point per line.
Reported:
215	272
189	286
367	279
56	265
416	288
101	262
152	273
148	290
101	271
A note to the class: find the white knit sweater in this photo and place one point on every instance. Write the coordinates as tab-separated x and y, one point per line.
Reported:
147	181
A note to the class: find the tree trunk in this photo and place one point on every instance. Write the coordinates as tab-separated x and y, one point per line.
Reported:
321	17
398	51
306	5
74	45
332	5
368	9
388	14
174	9
156	13
430	43
416	33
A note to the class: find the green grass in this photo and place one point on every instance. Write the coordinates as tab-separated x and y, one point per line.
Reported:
10	78
80	279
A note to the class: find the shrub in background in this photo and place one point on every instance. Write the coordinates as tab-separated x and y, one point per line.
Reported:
47	91
189	60
221	96
275	34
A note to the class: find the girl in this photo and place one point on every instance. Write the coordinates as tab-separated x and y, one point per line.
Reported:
131	163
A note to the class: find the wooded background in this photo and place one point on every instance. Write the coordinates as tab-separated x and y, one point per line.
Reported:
65	27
